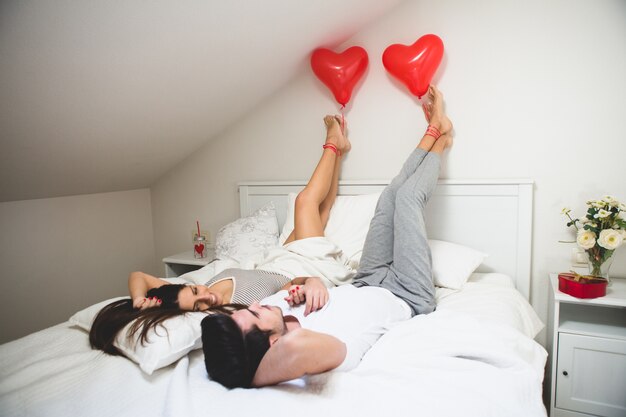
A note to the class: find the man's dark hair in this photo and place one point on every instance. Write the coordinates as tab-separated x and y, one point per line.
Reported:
230	356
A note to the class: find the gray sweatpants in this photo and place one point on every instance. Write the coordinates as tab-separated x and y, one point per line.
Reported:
396	255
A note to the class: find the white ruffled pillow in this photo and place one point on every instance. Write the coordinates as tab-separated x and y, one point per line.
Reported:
348	223
178	336
249	235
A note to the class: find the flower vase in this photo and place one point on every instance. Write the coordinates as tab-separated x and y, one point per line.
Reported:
600	261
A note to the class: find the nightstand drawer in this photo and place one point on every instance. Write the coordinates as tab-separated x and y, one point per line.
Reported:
583	361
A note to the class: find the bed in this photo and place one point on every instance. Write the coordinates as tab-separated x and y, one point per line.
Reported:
474	356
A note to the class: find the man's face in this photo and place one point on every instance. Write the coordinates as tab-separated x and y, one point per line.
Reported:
266	318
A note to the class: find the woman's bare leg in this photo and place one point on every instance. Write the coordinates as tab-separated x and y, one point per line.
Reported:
314	202
333	125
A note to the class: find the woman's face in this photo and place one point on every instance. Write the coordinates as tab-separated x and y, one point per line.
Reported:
198	298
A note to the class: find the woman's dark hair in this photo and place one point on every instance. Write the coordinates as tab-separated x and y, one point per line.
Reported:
114	317
230	356
168	294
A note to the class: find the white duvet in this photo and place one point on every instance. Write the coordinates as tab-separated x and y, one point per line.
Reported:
458	361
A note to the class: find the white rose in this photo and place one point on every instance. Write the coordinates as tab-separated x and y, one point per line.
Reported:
586	239
610	239
601	214
583	220
610	200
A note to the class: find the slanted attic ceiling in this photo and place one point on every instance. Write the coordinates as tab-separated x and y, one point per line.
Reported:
102	96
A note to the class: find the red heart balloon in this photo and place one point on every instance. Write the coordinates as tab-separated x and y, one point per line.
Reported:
416	64
340	72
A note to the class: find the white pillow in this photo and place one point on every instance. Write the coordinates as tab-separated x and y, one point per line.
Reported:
167	343
453	264
84	318
247	236
183	335
348	223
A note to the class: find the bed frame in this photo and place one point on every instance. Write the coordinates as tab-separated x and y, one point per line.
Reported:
492	216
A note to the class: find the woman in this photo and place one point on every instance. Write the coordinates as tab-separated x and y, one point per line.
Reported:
153	300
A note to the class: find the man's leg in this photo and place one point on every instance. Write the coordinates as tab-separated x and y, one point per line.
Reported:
378	247
409	273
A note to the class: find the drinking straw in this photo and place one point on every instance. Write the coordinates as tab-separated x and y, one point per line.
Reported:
198	225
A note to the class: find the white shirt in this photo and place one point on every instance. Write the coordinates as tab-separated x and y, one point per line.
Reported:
356	316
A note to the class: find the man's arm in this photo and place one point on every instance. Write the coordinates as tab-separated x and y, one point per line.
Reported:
298	353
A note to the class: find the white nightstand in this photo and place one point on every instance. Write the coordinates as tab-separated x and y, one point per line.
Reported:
184	262
587	345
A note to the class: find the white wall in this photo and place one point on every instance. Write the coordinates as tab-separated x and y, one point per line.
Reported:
536	89
60	255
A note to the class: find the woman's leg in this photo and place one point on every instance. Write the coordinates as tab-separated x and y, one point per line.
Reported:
378	248
314	202
327	204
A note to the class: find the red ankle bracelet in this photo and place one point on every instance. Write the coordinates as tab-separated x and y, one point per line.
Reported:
433	131
332	148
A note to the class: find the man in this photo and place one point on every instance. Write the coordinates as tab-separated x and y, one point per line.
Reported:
289	337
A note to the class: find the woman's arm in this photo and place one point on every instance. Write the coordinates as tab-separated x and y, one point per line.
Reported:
298	353
310	290
295	281
139	283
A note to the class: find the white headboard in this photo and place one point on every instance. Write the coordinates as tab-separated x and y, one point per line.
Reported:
492	216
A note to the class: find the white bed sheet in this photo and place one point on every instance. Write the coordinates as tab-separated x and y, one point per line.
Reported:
463	359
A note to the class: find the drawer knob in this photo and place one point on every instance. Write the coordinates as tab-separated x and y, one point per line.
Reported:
565	373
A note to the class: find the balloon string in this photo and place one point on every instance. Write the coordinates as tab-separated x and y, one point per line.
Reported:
343	120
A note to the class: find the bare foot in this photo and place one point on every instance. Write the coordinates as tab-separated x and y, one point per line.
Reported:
434	111
334	134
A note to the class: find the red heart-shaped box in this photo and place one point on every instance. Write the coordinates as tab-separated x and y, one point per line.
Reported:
584	287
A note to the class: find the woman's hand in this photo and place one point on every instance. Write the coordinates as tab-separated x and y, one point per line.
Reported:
141	303
313	292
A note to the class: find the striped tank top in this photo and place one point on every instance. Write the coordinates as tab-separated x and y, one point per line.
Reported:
250	285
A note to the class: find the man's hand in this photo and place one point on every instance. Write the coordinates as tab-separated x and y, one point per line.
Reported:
313	292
